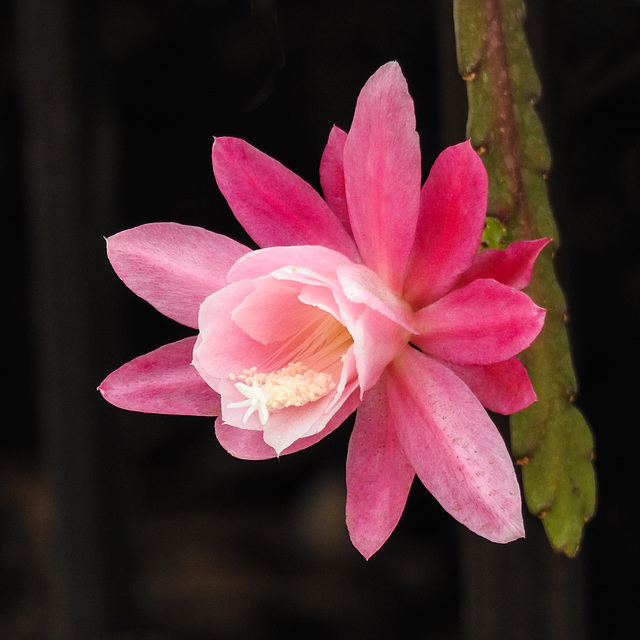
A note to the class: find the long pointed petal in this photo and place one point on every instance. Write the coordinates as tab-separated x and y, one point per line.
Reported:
173	266
382	174
454	447
511	266
162	381
503	387
378	474
273	204
332	176
482	323
452	213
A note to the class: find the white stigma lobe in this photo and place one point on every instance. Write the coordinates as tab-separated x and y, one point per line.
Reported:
292	386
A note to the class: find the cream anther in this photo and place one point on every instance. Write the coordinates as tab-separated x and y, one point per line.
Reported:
292	386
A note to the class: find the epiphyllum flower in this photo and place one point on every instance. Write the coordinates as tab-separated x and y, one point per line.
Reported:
374	298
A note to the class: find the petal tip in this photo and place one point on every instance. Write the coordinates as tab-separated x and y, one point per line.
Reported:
515	532
508	530
365	545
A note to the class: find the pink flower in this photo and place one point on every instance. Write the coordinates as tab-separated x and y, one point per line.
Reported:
374	298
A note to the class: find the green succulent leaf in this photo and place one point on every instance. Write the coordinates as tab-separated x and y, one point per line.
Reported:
551	439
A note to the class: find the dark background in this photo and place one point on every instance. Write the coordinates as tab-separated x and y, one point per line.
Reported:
127	526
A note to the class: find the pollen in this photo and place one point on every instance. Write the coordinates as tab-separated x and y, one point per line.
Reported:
292	386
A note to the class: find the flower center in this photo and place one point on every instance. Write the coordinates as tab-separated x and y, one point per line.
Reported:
291	386
314	357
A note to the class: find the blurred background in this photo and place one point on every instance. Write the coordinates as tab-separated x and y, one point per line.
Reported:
135	527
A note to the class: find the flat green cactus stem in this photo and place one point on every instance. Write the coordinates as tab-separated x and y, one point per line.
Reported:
550	440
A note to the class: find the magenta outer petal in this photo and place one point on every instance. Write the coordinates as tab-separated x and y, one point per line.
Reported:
454	447
378	474
503	387
274	205
332	176
482	323
250	445
382	174
511	266
173	266
452	214
162	381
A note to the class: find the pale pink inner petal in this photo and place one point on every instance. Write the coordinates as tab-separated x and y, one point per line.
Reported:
272	312
162	381
482	323
375	317
503	387
454	447
511	266
320	260
250	445
362	285
378	474
325	298
243	443
173	266
332	176
323	292
294	423
382	174
452	214
376	342
348	377
222	347
274	205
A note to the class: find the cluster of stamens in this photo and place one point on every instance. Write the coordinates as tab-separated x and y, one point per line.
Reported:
292	386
